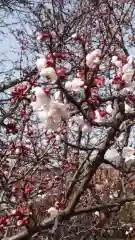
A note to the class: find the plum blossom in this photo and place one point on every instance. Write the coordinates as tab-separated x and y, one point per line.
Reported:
58	138
61	55
128	108
50	73
112	155
111	196
127	74
41	63
44	62
50	112
109	109
127	77
74	85
53	212
41	98
115	194
52	118
97	213
42	36
128	153
99	116
128	71
130	60
97	60
126	90
93	58
116	61
68	85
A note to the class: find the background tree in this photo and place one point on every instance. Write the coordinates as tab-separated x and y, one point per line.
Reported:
67	108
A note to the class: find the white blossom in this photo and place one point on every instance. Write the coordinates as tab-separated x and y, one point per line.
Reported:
114	59
17	151
130	59
97	60
130	229
50	73
41	63
128	109
97	213
58	138
41	99
115	194
131	158
128	153
128	72
126	90
127	77
68	85
93	57
74	85
109	109
50	112
125	68
53	212
116	62
74	36
98	118
56	113
111	196
112	155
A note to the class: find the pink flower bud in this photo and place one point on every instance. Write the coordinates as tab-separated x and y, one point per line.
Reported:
102	113
43	36
27	189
